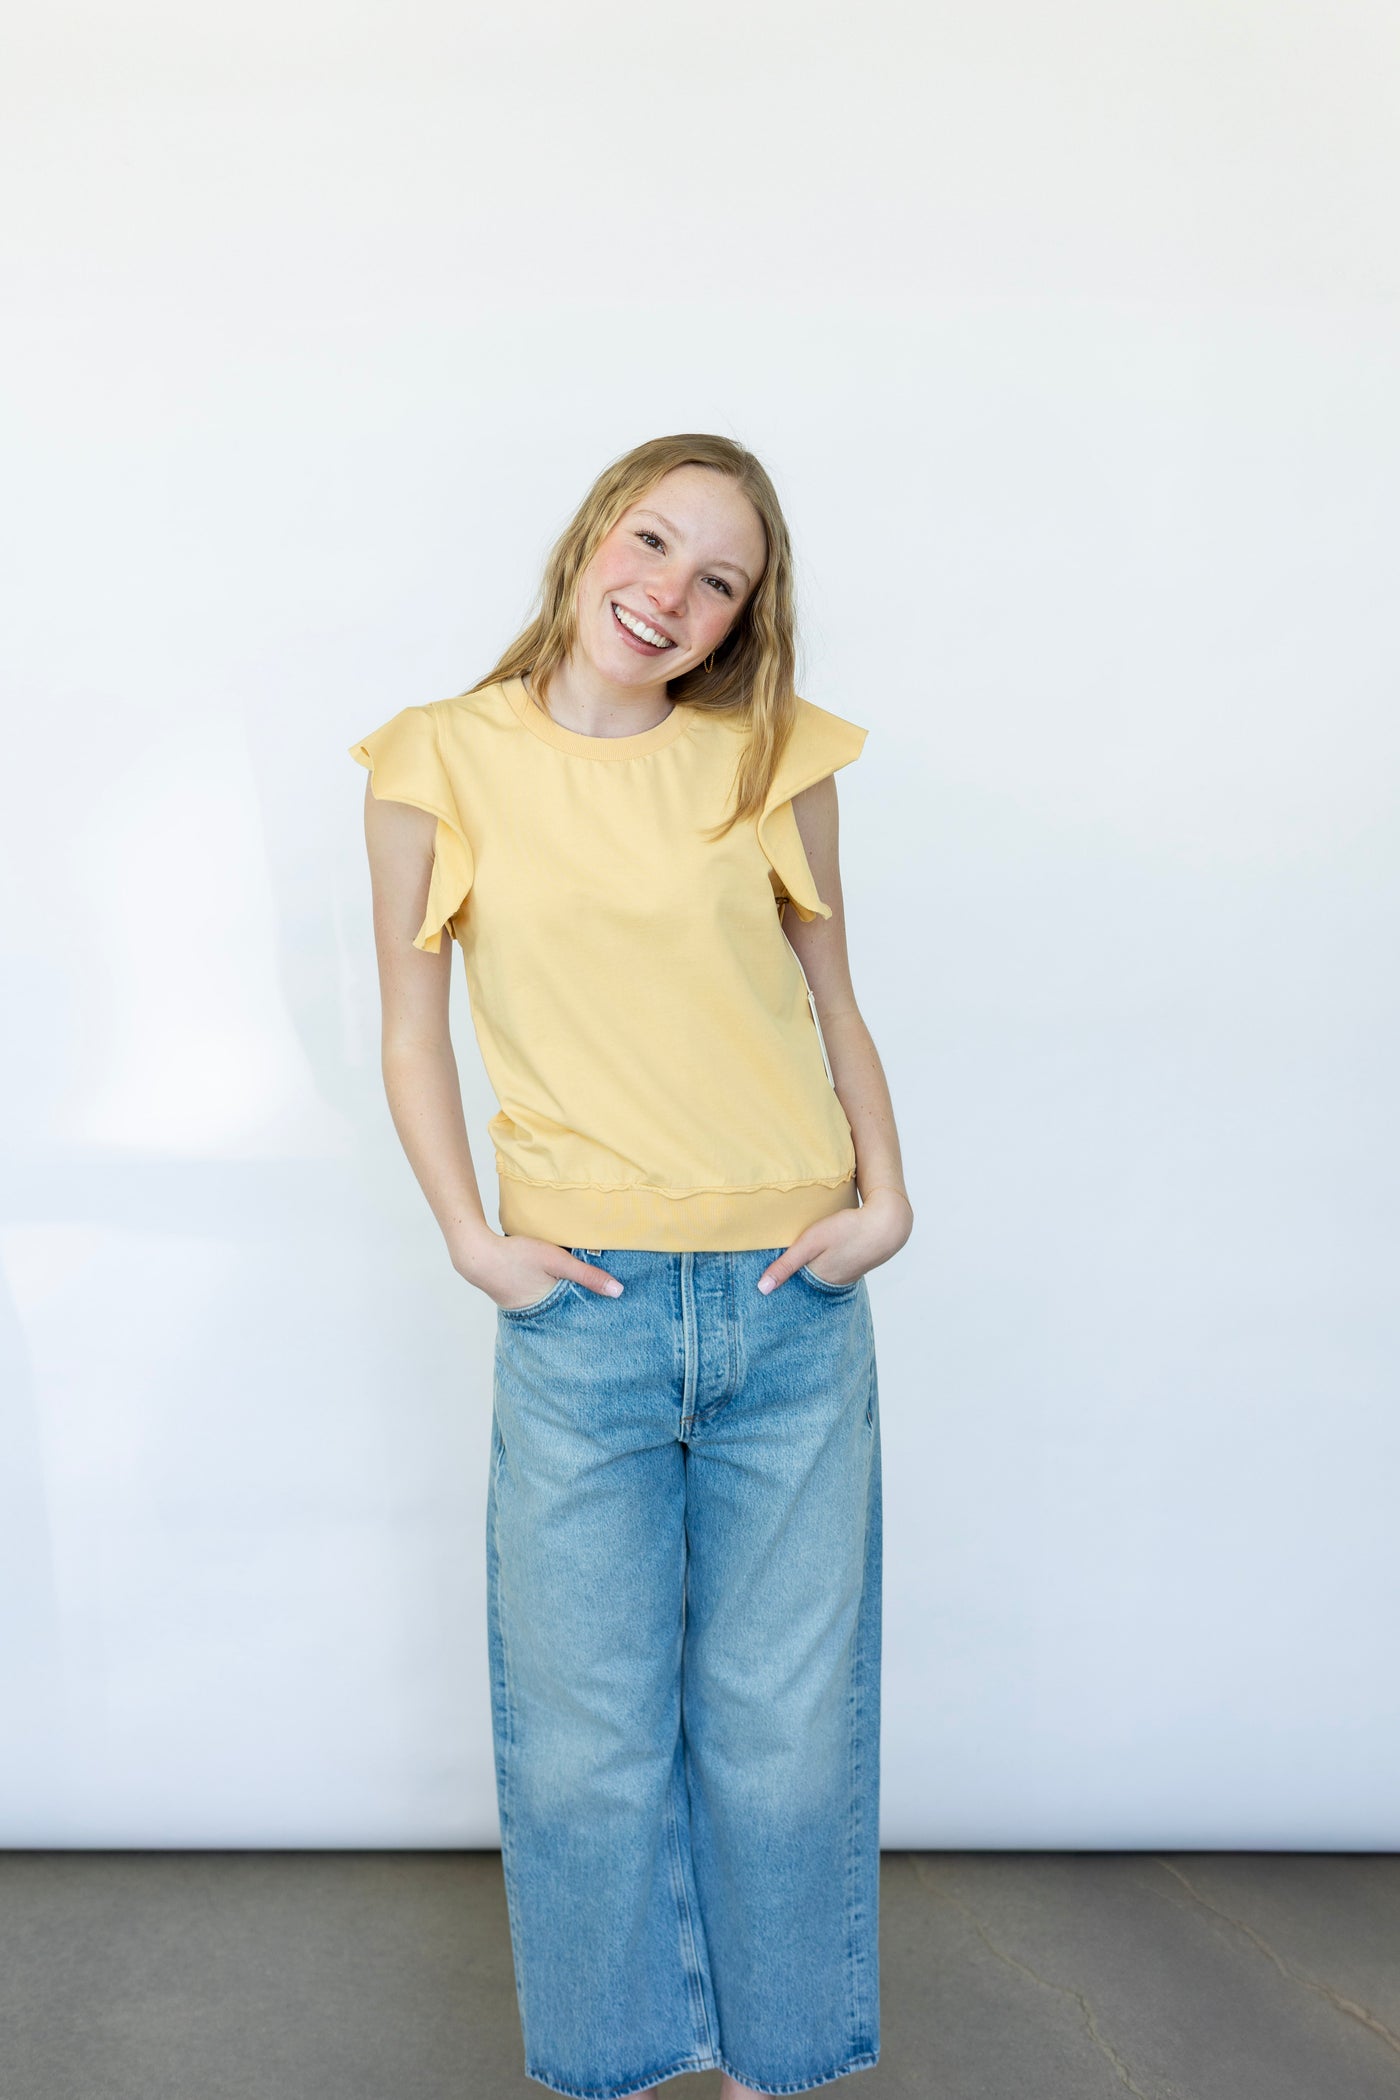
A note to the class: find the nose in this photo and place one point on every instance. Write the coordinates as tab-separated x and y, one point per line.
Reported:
666	591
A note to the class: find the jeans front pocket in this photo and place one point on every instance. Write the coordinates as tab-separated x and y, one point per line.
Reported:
563	1285
819	1283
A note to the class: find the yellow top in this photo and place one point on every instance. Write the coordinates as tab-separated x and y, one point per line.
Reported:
643	1020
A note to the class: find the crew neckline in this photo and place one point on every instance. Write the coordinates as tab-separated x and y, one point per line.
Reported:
603	747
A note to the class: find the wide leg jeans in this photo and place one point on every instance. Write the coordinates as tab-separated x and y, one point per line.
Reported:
683	1561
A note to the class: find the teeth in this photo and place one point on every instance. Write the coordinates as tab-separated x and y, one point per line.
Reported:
648	634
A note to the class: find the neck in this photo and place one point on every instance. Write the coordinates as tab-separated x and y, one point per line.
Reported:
580	698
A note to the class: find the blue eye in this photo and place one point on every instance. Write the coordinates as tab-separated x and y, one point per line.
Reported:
646	533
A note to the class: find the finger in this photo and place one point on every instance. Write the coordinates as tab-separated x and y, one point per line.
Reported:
595	1280
779	1271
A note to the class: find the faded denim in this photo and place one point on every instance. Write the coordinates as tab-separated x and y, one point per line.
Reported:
683	1564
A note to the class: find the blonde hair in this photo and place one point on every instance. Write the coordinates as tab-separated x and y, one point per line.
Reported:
754	666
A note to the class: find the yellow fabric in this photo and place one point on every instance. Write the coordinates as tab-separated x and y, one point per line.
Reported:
640	1012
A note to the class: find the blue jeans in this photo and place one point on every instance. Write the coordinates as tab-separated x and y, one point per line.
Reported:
683	1562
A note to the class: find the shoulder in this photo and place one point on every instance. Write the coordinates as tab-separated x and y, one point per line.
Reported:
430	727
820	743
405	760
816	734
460	716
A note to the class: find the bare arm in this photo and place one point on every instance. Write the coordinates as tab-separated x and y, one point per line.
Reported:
421	1080
851	1241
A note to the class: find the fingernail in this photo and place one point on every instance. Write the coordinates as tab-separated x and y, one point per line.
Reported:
765	1284
613	1289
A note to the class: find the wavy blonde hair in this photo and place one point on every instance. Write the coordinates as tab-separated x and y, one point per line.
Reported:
755	664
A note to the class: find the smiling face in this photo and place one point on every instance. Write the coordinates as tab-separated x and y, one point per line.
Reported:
670	579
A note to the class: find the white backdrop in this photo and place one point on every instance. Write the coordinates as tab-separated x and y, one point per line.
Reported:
1070	337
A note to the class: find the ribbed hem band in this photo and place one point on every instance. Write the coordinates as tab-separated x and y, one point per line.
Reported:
720	1220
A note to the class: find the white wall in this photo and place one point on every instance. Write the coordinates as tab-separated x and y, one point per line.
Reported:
1070	336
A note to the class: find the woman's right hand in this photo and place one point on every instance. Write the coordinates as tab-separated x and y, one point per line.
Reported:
516	1271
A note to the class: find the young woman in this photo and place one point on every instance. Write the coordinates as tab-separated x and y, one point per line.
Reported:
630	828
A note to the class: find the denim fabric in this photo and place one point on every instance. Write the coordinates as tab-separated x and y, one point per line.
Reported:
683	1562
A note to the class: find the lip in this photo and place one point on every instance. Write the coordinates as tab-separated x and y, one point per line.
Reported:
654	625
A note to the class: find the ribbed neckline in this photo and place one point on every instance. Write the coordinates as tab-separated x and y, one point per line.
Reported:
604	747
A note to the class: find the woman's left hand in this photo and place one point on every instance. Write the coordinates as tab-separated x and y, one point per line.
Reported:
842	1247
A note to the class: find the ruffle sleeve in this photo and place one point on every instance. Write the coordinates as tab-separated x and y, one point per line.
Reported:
820	743
405	765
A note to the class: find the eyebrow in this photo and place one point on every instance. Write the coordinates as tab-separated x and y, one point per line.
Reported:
680	536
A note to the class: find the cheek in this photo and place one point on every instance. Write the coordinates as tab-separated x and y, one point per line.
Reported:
610	564
719	616
598	576
595	586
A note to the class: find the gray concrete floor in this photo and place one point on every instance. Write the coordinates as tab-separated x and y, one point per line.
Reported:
1006	1976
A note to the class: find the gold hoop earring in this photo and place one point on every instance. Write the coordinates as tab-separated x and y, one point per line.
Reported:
710	659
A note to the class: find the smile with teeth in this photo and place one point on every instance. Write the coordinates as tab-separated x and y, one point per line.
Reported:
641	630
